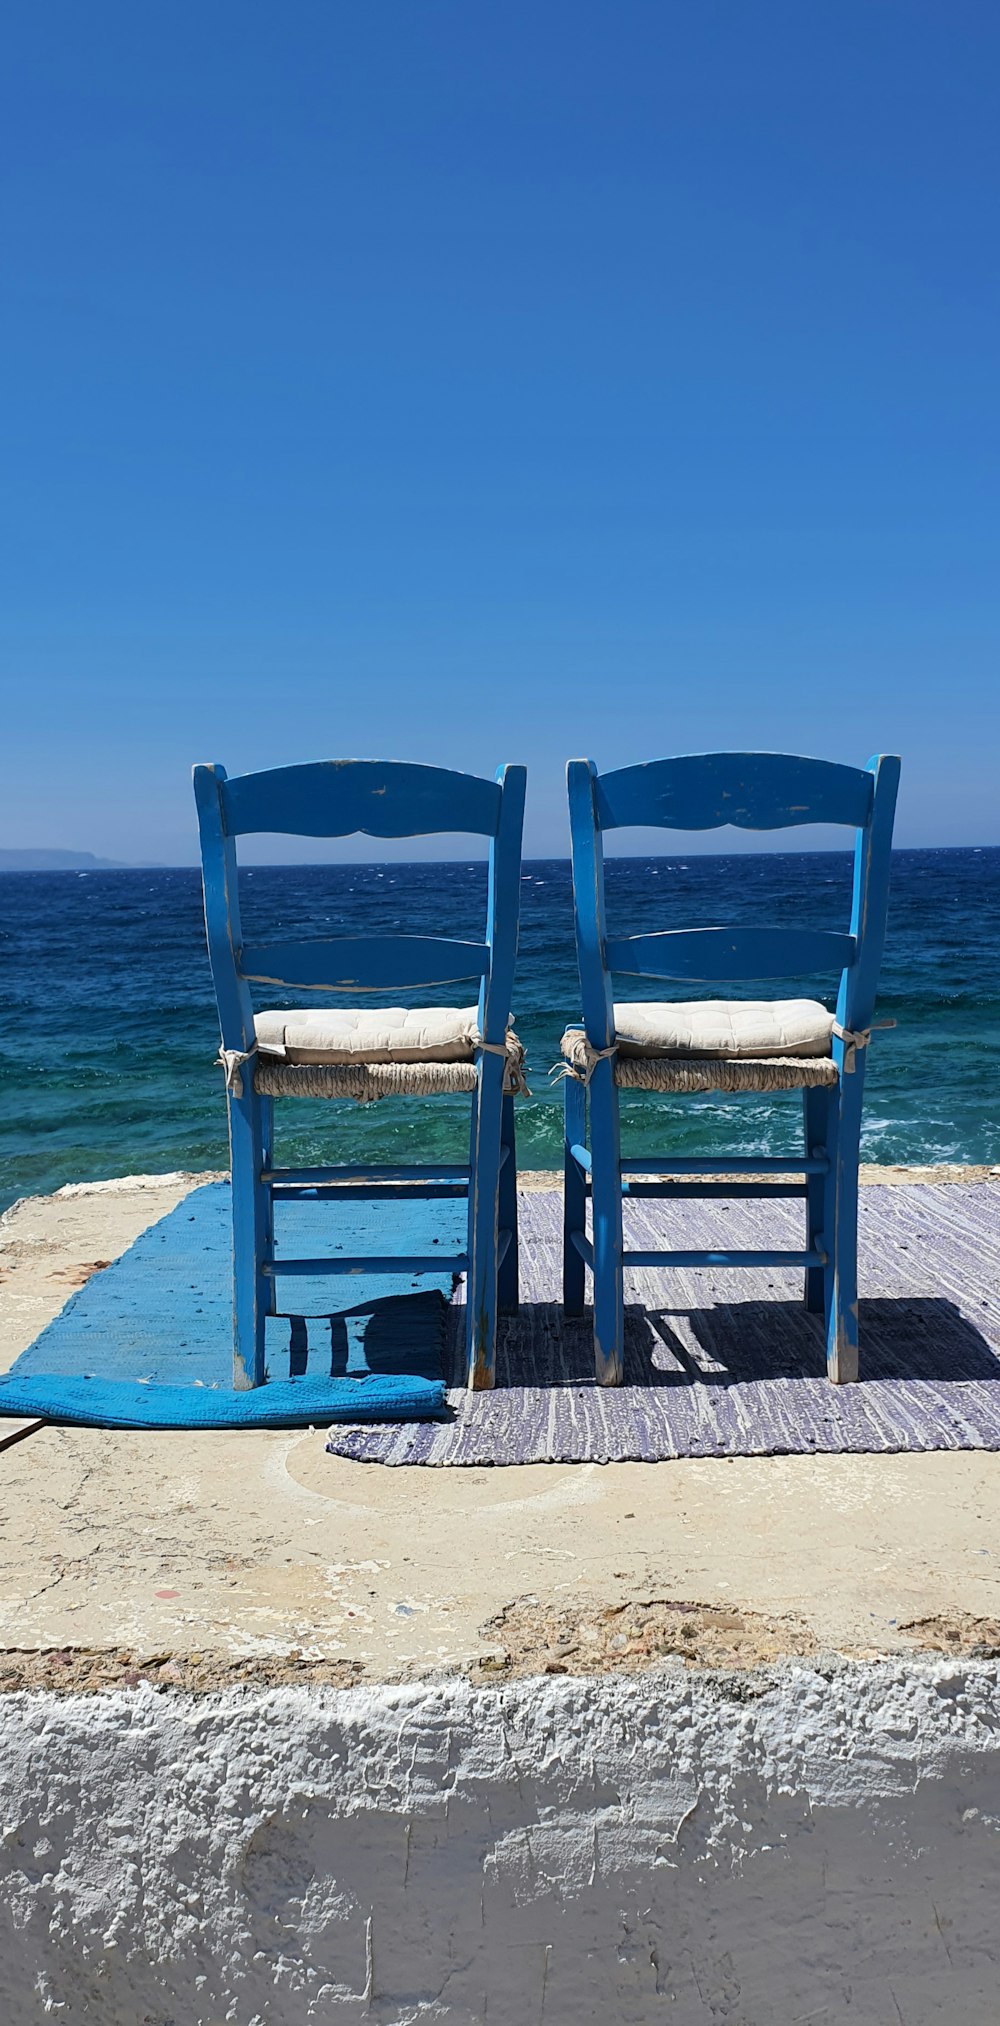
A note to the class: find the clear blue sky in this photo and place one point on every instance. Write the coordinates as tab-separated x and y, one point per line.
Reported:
471	382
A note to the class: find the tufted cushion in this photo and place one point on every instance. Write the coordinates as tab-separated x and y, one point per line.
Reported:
735	1029
358	1034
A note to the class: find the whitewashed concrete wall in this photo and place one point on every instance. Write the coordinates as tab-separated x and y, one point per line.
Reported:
739	1851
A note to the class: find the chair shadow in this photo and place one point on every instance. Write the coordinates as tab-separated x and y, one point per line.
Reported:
399	1336
733	1344
738	1343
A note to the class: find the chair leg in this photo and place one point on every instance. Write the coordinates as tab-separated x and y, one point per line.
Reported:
574	1195
842	1234
253	1292
484	1178
606	1196
816	1114
267	1161
507	1277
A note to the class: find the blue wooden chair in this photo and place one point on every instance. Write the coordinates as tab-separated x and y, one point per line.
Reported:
350	1053
719	1045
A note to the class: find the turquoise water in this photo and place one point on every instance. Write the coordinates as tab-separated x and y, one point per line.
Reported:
109	1023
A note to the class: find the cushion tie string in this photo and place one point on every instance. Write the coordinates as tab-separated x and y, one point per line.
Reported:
232	1060
593	1057
514	1079
855	1038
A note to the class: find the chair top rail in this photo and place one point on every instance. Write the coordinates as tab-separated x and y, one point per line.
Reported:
362	963
752	791
378	798
713	955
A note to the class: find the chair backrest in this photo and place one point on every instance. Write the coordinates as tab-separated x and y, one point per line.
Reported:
753	791
342	798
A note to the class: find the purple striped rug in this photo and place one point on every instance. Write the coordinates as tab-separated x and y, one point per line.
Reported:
729	1363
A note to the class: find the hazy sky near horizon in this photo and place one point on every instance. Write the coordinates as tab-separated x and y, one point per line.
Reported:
476	383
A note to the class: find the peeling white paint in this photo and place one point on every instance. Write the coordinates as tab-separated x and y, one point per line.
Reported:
752	1849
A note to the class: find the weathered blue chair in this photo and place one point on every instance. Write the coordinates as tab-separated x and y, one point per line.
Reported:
723	1045
367	1054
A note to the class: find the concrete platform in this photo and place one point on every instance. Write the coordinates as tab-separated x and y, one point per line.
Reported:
208	1552
288	1738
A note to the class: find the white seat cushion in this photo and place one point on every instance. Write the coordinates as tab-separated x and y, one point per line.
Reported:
369	1034
735	1029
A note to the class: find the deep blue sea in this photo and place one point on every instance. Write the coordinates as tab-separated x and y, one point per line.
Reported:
109	1023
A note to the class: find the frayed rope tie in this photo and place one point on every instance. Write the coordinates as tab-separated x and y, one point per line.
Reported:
232	1060
593	1057
514	1081
855	1039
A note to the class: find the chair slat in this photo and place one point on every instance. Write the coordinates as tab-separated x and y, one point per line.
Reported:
727	1191
373	1192
365	1263
763	1257
753	791
712	956
312	1178
363	963
379	798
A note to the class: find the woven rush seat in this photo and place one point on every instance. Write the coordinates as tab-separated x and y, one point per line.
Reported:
366	1053
715	1044
363	1081
675	1073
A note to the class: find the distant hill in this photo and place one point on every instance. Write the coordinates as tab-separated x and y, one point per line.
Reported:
58	861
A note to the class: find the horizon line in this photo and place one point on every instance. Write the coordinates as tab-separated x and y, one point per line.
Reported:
549	858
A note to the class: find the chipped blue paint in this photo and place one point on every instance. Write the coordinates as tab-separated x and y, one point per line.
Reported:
709	956
753	791
373	798
363	963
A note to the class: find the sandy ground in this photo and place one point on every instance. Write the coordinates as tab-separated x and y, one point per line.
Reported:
202	1559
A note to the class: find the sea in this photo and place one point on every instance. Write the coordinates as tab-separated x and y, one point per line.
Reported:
109	1027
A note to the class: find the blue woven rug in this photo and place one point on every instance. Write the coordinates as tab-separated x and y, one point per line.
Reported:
729	1363
147	1343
